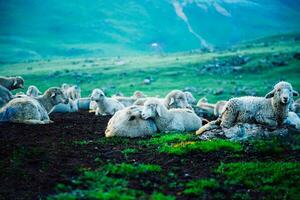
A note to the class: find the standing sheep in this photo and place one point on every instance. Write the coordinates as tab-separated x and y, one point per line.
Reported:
271	110
5	96
33	91
29	110
170	120
128	123
12	83
106	105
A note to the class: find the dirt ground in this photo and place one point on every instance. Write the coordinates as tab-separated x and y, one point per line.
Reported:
35	158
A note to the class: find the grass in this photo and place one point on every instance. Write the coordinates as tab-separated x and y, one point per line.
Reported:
129	169
197	187
276	180
182	148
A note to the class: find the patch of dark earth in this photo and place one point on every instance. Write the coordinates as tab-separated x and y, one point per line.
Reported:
34	159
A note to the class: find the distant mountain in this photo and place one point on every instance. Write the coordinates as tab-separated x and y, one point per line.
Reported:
31	29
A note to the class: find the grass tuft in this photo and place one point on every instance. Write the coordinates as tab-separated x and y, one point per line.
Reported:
197	187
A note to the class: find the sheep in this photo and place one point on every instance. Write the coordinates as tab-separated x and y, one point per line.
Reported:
190	98
33	91
219	108
93	106
170	120
174	99
84	103
30	110
205	106
293	120
271	110
138	94
73	92
129	101
128	123
296	107
106	106
71	106
5	96
12	83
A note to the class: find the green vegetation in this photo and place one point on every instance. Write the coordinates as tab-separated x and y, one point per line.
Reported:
129	169
203	146
197	187
278	180
128	151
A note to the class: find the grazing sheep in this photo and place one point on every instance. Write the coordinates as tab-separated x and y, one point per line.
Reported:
12	83
190	98
106	106
219	108
33	91
84	103
71	106
128	123
5	96
30	110
271	110
73	92
170	120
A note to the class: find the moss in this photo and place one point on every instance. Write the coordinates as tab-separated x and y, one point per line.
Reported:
197	187
275	179
128	169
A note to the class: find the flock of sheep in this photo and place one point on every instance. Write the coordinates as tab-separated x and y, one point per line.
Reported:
139	115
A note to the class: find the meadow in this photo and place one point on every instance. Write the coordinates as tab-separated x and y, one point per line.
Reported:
71	158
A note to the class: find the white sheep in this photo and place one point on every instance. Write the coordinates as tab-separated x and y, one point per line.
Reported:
73	92
271	110
33	91
205	106
128	123
219	108
190	98
106	105
71	106
293	120
30	110
138	94
12	83
5	96
296	107
170	120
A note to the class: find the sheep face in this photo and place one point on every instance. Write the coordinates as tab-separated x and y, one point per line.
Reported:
139	94
283	92
151	109
65	86
134	113
18	82
97	95
177	99
57	96
33	91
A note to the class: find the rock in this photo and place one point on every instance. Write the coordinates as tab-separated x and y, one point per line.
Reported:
147	81
219	91
237	69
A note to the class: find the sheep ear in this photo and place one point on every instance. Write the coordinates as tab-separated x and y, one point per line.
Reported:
15	83
53	94
295	93
158	110
171	101
270	94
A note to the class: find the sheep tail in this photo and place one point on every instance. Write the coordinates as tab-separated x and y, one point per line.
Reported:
209	126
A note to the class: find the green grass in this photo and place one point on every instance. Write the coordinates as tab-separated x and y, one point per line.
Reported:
129	169
182	148
173	71
276	180
197	187
128	151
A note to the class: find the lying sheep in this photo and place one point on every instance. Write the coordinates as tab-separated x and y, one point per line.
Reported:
71	106
84	103
106	105
33	91
138	95
12	83
128	123
293	120
30	110
73	92
190	98
271	110
5	96
170	120
296	107
126	101
174	99
206	107
219	108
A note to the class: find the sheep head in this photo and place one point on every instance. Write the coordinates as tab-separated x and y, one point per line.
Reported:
152	108
33	91
283	92
190	98
177	99
56	96
18	82
97	95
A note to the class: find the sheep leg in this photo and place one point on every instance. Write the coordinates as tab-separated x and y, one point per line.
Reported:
209	126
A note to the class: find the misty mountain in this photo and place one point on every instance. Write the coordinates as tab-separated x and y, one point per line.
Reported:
33	29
